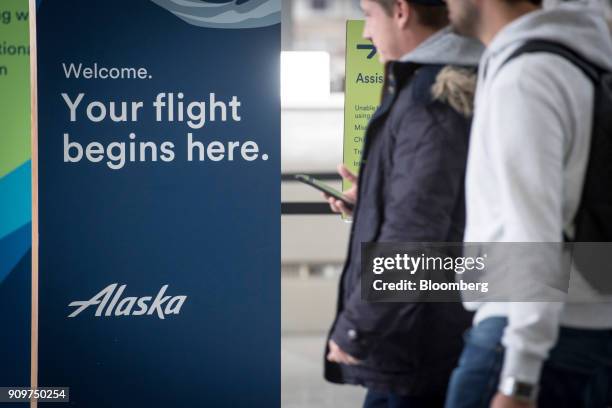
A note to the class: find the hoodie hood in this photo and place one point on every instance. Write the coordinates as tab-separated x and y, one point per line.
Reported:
446	48
578	26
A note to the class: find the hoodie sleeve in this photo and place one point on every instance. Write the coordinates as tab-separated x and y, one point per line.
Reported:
532	122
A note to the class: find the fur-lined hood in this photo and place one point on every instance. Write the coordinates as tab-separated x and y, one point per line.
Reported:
456	83
456	87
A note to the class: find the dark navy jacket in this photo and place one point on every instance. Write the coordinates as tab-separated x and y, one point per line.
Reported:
411	189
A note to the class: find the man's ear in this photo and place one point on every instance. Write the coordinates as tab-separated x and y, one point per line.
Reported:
403	13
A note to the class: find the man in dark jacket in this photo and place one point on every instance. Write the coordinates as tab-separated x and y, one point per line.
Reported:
410	189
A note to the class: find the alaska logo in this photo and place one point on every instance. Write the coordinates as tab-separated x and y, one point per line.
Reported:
109	302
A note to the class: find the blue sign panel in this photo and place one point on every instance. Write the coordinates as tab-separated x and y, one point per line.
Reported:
159	202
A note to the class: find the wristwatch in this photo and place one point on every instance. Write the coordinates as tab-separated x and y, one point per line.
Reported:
519	390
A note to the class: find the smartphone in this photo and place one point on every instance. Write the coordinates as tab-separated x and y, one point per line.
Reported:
330	191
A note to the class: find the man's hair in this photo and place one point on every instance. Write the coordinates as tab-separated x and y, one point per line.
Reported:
435	17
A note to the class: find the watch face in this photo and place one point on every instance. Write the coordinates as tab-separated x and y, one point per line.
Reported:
519	390
523	390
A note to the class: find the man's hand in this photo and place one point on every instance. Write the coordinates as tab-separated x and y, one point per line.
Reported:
503	401
337	205
337	355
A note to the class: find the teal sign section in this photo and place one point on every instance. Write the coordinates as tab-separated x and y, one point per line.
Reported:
15	194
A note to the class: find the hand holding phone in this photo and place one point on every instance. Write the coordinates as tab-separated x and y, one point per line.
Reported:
338	201
338	206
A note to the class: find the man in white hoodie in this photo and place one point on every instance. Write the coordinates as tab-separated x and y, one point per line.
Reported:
528	154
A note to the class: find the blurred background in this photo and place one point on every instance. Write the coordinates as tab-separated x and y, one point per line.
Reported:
314	242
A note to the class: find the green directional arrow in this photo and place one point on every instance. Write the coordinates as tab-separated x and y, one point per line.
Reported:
370	47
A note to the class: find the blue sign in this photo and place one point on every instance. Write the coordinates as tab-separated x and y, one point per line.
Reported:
159	202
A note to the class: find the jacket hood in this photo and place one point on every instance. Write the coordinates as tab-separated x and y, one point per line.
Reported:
579	26
446	48
456	87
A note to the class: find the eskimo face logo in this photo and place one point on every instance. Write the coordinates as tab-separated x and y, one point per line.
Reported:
225	14
129	306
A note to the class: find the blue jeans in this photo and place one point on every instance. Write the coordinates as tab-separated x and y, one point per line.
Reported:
390	400
577	373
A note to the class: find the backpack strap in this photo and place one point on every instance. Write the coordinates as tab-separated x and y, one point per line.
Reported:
590	70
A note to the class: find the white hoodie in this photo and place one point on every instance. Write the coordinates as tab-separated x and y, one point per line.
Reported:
528	154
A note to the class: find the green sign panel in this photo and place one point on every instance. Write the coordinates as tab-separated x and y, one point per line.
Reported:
14	85
364	80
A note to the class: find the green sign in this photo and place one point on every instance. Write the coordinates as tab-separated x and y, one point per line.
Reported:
364	80
14	85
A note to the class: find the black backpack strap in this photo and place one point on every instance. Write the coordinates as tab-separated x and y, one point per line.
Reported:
590	70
